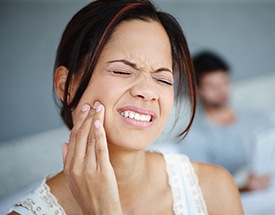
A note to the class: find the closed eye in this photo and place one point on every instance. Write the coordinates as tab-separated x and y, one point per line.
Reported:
121	73
164	81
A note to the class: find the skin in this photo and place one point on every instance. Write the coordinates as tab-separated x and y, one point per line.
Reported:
214	93
118	176
214	89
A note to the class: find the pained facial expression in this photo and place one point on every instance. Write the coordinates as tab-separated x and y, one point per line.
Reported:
214	88
133	79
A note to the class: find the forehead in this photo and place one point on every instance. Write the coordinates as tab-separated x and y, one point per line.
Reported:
139	41
214	76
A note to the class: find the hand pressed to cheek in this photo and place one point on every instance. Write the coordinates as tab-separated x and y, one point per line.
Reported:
79	121
87	166
82	134
85	104
93	142
101	147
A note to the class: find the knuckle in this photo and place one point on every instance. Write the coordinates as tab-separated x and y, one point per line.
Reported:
80	134
90	139
72	169
100	146
72	134
100	149
75	172
100	134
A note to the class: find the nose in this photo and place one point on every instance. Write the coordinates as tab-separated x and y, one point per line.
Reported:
145	89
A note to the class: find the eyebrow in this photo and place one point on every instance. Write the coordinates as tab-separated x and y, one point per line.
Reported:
133	65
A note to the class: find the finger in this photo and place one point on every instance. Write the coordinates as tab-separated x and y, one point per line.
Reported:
73	135
101	147
84	139
90	155
82	136
100	112
267	177
265	181
64	151
259	182
91	150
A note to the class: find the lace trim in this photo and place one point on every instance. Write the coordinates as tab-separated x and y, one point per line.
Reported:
42	202
182	180
184	185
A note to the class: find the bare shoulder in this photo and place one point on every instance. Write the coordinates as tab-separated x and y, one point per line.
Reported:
219	190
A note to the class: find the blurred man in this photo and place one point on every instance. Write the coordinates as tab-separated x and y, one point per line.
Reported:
222	135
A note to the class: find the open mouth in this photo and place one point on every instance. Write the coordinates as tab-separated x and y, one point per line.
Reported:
136	116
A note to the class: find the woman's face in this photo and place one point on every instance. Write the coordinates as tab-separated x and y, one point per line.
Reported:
133	79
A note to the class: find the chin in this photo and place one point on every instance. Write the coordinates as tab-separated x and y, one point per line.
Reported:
132	141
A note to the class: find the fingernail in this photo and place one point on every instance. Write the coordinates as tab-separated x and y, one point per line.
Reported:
99	108
96	104
97	124
85	108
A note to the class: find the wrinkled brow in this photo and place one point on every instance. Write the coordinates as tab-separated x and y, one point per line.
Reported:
133	65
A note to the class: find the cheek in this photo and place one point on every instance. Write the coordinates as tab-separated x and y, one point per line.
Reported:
103	91
90	96
206	93
167	103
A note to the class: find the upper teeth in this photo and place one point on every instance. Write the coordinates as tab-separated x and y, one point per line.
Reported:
136	116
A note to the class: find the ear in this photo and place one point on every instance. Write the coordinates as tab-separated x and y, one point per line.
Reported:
60	79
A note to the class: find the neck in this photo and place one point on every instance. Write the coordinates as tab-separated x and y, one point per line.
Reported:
132	172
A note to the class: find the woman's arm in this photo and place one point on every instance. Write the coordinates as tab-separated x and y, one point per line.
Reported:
219	190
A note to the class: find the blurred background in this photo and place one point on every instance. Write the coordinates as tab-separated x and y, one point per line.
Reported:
241	31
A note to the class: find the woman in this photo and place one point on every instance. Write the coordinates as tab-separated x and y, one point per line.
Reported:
116	68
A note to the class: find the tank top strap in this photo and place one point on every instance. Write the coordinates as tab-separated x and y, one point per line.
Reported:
183	181
188	198
41	201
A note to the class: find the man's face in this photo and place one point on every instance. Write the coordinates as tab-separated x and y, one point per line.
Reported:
214	88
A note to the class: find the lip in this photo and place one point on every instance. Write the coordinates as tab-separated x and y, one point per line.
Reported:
139	110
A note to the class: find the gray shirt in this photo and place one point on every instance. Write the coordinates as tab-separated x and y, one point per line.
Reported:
229	146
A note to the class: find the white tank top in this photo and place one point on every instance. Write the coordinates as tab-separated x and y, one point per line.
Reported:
187	195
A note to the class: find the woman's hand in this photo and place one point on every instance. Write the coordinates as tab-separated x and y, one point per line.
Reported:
87	166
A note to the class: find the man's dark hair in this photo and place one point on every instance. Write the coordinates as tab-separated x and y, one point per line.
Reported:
208	62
